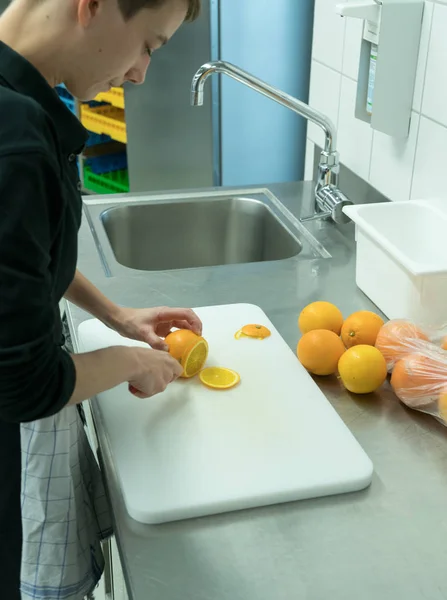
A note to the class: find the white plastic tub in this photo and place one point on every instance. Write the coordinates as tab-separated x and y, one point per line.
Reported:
401	262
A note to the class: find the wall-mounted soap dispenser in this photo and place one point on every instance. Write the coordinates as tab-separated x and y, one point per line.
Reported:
388	61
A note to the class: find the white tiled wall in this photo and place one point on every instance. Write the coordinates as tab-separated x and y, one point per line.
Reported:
400	169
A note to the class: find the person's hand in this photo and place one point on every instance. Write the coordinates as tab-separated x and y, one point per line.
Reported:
155	370
150	325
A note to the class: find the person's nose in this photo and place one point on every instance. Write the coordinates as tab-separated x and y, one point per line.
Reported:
137	74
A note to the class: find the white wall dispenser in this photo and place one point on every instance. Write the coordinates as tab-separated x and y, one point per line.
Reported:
388	61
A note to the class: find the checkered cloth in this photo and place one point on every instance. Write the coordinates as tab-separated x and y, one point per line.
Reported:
65	513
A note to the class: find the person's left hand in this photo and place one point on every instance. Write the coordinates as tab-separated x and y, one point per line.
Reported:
150	325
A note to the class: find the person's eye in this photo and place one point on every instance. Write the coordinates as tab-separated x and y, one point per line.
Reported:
149	51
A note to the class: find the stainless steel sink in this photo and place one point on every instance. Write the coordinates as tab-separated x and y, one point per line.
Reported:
186	231
197	233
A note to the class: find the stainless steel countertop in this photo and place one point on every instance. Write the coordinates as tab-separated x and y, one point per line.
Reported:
387	542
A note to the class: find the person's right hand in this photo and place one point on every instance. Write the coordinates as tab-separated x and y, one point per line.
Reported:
155	370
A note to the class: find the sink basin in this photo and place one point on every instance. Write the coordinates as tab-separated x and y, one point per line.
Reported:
195	230
197	233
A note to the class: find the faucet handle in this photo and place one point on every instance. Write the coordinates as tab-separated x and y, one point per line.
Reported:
319	216
330	199
330	202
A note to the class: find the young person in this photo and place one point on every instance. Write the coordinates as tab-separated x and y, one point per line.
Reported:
53	512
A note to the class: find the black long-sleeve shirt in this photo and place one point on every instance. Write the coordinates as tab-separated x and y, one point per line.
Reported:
40	214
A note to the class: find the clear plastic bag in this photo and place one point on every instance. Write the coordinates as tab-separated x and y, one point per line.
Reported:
399	338
419	380
418	364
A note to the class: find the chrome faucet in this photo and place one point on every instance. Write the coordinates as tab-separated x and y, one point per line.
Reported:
329	200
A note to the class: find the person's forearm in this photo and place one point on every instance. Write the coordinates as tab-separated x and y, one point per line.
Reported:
104	369
85	295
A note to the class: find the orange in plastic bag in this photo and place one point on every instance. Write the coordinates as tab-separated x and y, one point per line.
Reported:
397	339
442	406
418	379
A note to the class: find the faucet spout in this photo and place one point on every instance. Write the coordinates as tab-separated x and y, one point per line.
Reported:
265	89
329	201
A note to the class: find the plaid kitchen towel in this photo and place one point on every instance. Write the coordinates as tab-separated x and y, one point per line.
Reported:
65	512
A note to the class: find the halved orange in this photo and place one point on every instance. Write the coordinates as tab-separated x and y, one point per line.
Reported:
253	331
219	378
179	340
194	357
190	349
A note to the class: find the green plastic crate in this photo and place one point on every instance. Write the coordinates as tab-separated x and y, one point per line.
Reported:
116	182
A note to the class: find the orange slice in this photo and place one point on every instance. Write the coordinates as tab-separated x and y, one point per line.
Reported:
194	357
219	378
258	332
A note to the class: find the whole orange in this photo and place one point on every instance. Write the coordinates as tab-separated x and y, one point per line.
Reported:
320	315
444	343
417	379
362	369
361	327
397	339
319	351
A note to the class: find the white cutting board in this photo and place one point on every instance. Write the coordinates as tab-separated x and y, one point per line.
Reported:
192	451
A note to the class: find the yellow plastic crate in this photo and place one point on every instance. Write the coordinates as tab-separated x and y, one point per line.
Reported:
114	96
105	119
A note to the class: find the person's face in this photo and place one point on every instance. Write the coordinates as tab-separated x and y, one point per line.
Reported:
110	51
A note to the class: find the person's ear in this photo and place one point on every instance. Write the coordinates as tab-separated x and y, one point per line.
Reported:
87	10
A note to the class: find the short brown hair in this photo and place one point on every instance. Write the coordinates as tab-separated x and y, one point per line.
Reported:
129	8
